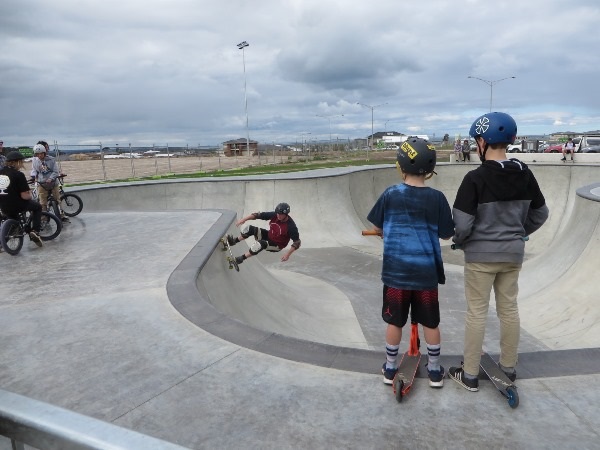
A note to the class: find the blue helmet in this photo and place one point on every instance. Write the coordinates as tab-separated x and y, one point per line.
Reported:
495	128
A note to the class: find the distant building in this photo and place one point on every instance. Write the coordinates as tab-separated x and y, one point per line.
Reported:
564	135
240	147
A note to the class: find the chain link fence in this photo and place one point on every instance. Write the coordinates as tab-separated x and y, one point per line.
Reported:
95	163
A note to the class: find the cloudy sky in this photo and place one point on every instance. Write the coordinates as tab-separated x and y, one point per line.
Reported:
169	71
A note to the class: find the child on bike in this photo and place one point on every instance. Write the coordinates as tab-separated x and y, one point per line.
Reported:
45	170
412	218
15	196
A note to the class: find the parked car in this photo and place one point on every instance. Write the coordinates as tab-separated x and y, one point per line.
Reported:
514	148
590	149
590	144
542	148
554	148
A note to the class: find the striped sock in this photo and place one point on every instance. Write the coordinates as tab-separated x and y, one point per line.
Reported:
391	353
433	353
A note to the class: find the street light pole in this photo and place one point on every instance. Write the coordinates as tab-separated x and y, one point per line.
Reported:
329	119
241	47
372	131
303	139
491	84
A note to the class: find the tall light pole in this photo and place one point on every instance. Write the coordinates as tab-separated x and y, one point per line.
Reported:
372	131
303	139
329	119
491	84
241	46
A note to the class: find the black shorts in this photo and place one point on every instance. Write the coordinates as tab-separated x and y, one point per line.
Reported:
423	306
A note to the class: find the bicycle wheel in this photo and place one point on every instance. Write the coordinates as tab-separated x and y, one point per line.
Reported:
53	205
51	226
71	204
11	237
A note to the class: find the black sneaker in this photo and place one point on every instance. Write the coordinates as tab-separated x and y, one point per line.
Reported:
35	238
388	374
510	372
436	377
512	376
563	159
65	219
239	259
231	240
458	375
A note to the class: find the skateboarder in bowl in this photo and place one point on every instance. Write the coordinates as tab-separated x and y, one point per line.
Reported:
497	205
282	229
412	218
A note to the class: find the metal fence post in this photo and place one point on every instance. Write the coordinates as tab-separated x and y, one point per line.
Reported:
102	159
132	165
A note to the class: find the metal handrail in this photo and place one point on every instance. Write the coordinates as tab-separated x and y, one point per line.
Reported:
45	426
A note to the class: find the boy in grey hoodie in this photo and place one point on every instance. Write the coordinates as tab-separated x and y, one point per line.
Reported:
497	206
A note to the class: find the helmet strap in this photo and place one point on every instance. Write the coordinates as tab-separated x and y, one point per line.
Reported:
480	152
399	169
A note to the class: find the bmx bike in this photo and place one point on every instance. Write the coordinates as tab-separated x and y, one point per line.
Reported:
14	229
71	204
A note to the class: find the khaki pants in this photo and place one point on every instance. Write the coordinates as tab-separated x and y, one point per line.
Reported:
43	197
479	280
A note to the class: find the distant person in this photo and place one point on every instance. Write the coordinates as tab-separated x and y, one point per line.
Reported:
2	157
282	230
44	170
497	206
569	147
466	151
411	218
15	195
457	150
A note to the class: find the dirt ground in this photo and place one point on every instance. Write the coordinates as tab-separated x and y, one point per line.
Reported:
120	169
97	170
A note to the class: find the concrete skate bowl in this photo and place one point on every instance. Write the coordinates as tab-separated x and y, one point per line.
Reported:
308	318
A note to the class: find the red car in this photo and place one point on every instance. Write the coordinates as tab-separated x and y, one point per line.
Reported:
554	148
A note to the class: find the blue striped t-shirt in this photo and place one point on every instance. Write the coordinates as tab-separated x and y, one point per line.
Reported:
412	219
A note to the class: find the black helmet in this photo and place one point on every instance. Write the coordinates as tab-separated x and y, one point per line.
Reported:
282	208
14	156
416	156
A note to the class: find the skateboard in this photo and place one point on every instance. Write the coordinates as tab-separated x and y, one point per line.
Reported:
500	380
229	257
409	364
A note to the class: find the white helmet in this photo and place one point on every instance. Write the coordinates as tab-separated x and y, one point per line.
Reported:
39	148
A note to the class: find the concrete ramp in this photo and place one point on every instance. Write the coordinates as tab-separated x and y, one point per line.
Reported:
279	301
559	293
557	288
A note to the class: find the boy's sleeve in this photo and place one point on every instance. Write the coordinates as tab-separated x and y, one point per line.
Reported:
538	211
464	210
446	225
55	173
265	215
376	215
22	185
